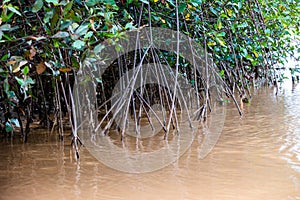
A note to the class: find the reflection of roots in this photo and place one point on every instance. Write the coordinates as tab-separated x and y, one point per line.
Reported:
76	143
212	130
136	155
134	144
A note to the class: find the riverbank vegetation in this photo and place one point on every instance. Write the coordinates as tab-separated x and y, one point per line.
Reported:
44	42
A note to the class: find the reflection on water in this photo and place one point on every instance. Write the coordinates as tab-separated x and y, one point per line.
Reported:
256	157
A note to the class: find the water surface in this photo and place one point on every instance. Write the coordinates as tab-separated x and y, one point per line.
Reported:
256	157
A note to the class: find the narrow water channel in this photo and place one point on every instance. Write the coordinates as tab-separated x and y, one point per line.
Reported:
256	157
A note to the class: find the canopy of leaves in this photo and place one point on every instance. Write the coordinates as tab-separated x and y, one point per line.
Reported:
50	37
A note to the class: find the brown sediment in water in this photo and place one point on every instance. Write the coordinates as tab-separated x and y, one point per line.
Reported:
256	157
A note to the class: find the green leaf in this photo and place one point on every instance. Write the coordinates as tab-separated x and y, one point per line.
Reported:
11	95
82	29
213	11
29	81
193	82
119	47
91	3
249	57
68	7
181	7
221	34
78	44
63	2
15	121
129	25
244	52
223	15
171	2
210	43
55	18
20	81
8	127
229	12
264	43
255	54
61	34
65	24
14	10
7	18
110	2
25	70
55	2
98	48
56	43
220	41
196	3
48	16
5	57
5	27
225	100
270	39
240	4
6	85
37	5
219	24
99	80
243	25
222	72
145	1
7	37
88	34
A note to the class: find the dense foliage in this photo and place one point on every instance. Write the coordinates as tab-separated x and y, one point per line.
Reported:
44	41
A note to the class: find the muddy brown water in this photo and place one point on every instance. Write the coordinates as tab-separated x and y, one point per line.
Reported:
256	157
